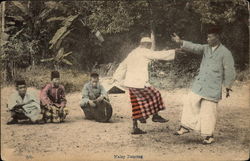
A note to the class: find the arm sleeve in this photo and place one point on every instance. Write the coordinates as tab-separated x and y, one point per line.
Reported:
191	47
34	96
229	70
63	97
44	96
161	55
85	93
103	92
120	71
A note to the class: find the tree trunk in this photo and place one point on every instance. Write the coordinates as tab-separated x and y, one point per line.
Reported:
153	36
6	69
152	25
248	7
3	15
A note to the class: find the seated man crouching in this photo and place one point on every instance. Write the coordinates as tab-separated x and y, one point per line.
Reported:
24	105
53	100
95	103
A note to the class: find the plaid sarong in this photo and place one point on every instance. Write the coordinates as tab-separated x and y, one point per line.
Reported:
145	102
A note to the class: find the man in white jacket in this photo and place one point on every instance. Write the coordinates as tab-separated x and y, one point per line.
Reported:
133	72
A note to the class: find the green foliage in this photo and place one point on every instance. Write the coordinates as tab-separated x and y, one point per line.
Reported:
23	28
215	11
62	32
110	17
59	59
39	29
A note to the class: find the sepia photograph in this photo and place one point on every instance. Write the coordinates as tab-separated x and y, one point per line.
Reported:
125	80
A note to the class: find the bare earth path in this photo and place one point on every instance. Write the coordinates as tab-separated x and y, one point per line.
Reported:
80	139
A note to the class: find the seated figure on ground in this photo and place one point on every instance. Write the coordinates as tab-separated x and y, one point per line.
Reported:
53	100
24	105
95	103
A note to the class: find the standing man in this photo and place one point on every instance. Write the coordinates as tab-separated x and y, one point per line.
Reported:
95	103
145	99
217	68
53	100
24	104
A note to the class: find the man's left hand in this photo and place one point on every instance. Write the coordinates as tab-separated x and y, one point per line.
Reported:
228	92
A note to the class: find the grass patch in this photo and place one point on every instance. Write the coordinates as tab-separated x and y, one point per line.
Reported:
38	77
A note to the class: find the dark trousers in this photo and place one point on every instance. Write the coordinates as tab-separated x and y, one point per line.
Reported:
102	112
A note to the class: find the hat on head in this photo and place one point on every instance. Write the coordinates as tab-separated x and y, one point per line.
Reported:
55	74
214	30
146	39
94	75
20	82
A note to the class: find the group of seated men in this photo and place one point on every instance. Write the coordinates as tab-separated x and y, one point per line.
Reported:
25	105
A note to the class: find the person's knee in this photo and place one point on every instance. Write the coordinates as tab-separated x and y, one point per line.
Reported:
83	105
66	111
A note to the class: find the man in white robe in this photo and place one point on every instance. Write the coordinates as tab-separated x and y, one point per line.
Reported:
133	72
24	104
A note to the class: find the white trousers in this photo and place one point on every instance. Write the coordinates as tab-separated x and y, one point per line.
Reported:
199	114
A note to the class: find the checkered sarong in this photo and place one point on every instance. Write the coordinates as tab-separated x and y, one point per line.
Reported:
145	102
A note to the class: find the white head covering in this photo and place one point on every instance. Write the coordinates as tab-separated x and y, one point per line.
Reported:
146	39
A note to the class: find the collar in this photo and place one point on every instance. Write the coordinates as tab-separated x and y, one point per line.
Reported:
90	84
53	86
215	47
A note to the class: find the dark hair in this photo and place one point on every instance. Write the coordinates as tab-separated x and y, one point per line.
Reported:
94	75
20	82
214	30
55	74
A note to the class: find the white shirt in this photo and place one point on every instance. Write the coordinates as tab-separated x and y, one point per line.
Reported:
213	48
15	99
134	69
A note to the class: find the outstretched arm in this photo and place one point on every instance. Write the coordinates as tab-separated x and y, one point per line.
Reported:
63	97
103	95
188	46
161	55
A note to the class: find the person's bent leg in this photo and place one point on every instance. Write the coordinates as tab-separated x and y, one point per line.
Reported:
55	114
63	113
87	112
13	119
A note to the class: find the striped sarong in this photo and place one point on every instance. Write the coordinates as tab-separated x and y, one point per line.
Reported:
145	102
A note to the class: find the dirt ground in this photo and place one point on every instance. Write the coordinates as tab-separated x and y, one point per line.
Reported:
80	139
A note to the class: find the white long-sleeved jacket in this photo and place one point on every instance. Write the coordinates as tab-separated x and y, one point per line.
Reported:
133	71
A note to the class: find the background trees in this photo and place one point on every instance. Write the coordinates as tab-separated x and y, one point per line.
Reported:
36	32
